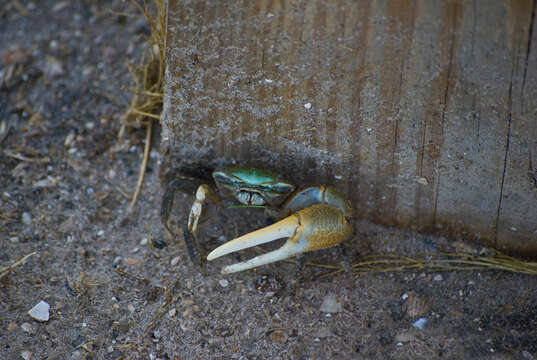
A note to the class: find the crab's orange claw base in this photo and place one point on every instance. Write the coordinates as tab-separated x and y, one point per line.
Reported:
316	227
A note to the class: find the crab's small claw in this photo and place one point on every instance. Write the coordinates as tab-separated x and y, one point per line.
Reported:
316	227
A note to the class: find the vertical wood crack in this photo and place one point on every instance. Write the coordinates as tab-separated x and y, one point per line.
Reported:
445	103
528	50
507	140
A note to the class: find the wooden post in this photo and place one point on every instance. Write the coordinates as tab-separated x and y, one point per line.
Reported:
423	112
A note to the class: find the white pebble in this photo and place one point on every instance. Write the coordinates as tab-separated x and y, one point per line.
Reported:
144	242
307	105
175	261
404	296
100	233
27	327
223	283
69	140
438	278
26	218
40	312
26	355
330	304
420	323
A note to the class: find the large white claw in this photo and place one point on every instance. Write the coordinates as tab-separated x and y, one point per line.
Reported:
316	227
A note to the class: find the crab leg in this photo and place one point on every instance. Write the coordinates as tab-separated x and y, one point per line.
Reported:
316	227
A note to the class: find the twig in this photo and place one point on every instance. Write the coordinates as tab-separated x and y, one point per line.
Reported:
153	116
143	167
6	270
25	158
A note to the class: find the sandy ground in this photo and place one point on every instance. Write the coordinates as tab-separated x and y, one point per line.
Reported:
116	292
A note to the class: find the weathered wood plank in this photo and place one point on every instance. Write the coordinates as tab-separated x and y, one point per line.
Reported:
422	112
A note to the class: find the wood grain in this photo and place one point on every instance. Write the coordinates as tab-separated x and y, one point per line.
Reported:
424	113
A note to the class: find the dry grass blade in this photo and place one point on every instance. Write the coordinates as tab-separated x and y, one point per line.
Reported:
444	262
378	263
7	269
148	76
433	262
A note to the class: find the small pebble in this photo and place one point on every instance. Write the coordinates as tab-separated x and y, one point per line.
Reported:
438	278
131	308
278	336
420	323
130	261
28	328
100	233
404	296
172	312
175	261
12	326
26	355
307	105
223	282
416	305
69	140
144	241
40	312
50	181
26	218
330	304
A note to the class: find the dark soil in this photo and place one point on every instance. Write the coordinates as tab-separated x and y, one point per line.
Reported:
119	287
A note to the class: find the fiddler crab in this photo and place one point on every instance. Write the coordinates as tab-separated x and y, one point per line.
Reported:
316	217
